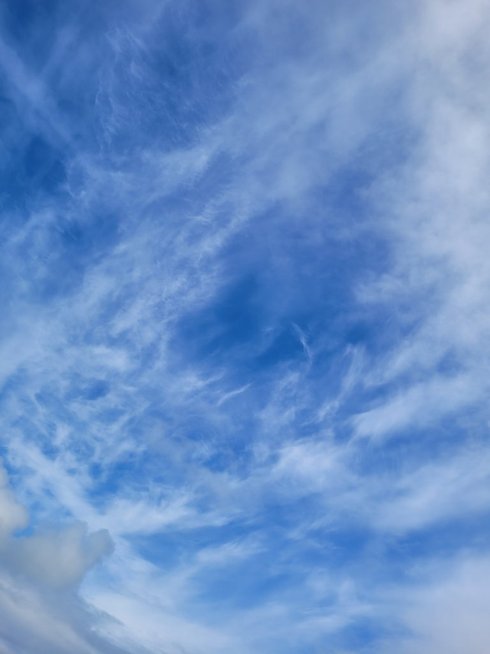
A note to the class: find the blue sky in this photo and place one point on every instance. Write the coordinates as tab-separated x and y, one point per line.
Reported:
244	331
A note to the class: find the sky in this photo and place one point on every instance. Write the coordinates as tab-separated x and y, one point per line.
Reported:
245	327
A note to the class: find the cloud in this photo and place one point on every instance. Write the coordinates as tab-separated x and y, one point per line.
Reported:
447	611
244	283
39	574
13	516
434	206
59	558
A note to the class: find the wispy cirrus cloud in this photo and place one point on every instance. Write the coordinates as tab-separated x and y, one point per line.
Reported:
244	329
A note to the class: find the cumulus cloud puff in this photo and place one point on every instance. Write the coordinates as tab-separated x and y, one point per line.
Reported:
39	573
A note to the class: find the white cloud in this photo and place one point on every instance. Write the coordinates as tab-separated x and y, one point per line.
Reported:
13	516
447	612
435	208
39	574
58	558
289	129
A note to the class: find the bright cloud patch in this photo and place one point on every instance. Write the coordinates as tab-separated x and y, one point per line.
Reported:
244	332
